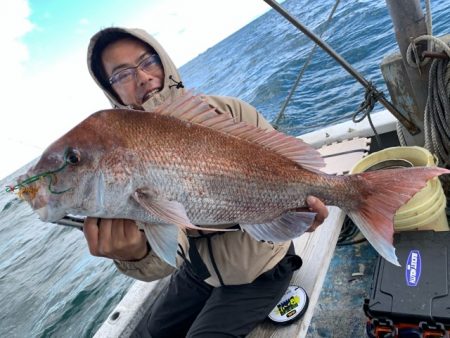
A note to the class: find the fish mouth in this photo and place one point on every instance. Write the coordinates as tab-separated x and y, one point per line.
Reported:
28	190
45	215
38	202
34	194
42	212
150	93
41	203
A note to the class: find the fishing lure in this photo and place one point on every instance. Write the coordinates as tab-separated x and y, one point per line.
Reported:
21	188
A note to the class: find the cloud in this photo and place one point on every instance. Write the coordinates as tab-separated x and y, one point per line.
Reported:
14	24
37	108
188	28
83	25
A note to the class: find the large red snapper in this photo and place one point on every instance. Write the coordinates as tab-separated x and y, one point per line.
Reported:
184	164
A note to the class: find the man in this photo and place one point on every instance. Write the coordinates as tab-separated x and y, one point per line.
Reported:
226	283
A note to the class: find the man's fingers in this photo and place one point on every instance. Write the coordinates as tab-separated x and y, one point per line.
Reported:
135	237
318	207
90	230
105	237
115	238
131	230
118	230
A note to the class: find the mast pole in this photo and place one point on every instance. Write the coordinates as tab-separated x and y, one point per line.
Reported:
409	23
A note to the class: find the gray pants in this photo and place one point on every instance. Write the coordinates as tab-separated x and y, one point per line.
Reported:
191	308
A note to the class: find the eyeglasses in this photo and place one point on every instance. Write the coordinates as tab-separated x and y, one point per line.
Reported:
124	76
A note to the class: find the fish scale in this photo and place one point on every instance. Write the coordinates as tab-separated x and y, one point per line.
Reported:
187	166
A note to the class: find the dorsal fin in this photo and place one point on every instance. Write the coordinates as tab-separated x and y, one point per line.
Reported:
193	108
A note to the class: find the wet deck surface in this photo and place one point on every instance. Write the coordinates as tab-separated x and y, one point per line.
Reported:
339	310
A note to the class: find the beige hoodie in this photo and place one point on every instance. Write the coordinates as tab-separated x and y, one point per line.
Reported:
238	258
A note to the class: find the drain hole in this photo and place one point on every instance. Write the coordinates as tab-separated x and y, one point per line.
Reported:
115	315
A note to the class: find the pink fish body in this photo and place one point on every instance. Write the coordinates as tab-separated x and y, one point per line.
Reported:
185	166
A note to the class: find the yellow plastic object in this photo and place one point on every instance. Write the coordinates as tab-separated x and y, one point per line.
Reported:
426	209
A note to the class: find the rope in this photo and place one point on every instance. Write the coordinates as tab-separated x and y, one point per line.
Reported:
412	49
366	107
437	112
437	108
348	234
437	117
428	37
280	115
400	134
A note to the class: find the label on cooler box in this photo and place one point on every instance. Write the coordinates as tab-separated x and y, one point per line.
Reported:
413	268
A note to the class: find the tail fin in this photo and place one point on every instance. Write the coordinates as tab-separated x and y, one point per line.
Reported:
382	193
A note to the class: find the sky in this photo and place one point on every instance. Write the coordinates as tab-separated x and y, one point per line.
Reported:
45	87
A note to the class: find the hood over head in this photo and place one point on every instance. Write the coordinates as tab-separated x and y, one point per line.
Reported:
172	81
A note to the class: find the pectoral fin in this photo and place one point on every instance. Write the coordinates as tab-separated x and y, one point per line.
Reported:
163	239
170	212
286	227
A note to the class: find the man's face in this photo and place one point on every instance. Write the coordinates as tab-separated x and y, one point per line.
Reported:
135	74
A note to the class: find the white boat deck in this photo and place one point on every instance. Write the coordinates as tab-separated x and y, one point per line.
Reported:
316	250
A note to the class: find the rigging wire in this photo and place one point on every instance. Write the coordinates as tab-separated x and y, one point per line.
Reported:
366	107
412	128
280	115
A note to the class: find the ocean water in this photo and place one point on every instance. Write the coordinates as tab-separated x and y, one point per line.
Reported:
49	283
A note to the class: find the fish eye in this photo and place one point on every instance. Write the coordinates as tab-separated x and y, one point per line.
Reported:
72	156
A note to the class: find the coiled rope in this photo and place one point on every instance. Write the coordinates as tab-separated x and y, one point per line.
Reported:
416	64
437	108
437	117
437	112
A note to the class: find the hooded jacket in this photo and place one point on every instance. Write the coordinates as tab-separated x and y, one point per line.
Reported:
231	258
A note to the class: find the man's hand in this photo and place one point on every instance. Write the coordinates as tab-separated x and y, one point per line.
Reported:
115	238
316	205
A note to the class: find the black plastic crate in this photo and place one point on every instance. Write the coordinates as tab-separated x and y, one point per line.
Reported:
418	292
